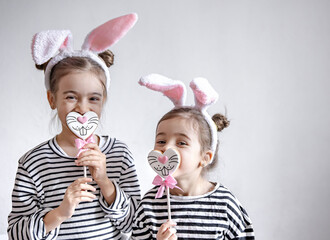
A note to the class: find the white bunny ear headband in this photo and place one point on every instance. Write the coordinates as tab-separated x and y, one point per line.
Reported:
57	44
175	90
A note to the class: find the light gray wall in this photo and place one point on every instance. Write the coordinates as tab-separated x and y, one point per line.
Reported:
269	60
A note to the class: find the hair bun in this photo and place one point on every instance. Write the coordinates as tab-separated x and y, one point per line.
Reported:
108	57
220	121
41	67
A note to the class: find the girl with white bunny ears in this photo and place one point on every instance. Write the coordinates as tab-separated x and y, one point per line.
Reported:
50	198
205	96
204	209
52	46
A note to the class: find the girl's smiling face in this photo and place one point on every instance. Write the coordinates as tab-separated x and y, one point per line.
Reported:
77	92
180	134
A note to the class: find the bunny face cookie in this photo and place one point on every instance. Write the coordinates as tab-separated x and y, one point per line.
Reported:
164	164
82	126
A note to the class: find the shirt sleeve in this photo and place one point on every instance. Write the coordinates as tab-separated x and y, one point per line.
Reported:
120	206
25	220
240	225
121	211
141	229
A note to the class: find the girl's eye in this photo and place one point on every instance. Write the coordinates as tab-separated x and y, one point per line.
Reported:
160	142
182	143
70	97
94	99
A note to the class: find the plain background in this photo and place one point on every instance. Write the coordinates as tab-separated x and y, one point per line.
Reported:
269	61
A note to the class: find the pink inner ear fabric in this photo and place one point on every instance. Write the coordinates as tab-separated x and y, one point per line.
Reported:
204	93
101	38
174	94
65	43
201	97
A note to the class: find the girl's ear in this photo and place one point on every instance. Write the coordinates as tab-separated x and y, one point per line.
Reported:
208	155
51	99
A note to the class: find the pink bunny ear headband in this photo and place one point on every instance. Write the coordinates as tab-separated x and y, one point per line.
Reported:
57	44
175	90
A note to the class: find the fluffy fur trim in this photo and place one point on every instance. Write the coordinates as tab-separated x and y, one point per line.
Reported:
57	44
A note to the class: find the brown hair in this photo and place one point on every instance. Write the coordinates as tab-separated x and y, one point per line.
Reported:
203	128
71	64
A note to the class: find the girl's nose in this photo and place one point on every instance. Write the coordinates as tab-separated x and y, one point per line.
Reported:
165	147
82	107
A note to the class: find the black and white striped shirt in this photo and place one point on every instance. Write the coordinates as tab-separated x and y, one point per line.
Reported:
45	172
215	215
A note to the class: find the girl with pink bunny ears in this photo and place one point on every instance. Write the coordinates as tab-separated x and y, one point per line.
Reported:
200	209
51	199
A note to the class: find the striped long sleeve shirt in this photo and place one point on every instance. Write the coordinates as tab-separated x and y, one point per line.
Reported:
214	215
45	172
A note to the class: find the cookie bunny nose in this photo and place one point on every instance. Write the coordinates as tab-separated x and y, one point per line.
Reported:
163	159
82	120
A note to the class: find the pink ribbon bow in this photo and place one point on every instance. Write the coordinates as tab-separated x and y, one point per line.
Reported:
80	143
169	182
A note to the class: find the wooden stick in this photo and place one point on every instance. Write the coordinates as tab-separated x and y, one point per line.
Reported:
85	172
168	203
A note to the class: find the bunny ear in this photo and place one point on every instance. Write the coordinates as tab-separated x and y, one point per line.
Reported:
173	89
205	95
104	36
47	43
